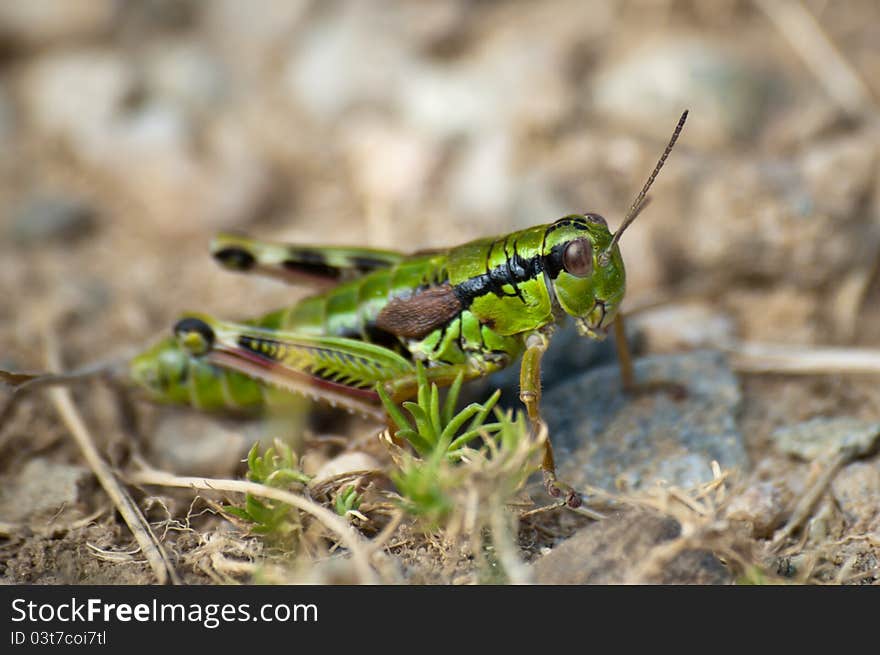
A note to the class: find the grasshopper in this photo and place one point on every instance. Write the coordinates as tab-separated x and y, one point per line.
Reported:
468	310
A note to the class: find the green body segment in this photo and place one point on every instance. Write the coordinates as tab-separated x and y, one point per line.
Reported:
473	306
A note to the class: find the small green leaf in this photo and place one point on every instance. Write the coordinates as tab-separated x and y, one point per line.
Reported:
392	409
452	398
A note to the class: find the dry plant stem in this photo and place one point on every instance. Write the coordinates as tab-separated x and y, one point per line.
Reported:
807	38
380	539
360	551
505	547
774	358
131	514
804	506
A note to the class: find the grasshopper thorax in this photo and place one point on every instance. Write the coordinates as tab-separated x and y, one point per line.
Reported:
584	271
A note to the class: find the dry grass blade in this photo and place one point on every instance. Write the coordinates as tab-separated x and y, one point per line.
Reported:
775	358
505	547
360	550
131	514
822	57
804	507
380	540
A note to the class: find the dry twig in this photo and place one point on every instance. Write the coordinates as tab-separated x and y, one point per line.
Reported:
360	550
128	509
803	360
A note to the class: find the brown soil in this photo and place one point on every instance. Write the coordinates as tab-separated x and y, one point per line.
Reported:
128	139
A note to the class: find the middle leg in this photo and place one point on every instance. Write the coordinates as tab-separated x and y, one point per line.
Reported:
530	395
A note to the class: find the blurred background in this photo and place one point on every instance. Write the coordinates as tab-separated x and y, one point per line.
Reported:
131	132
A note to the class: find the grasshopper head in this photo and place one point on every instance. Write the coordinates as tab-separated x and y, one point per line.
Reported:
585	271
583	261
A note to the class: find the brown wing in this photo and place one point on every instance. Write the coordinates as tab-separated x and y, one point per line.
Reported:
415	316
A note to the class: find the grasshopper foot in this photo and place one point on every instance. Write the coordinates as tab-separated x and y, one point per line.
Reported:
557	489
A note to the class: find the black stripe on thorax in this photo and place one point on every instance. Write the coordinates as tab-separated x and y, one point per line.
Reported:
515	270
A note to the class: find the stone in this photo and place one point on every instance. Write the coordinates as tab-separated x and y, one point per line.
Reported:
606	438
187	75
728	95
188	443
347	39
78	95
40	486
856	489
685	326
825	437
43	22
344	463
51	216
610	552
762	505
797	221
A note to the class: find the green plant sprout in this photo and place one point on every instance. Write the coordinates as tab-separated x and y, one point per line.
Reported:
347	502
278	468
445	462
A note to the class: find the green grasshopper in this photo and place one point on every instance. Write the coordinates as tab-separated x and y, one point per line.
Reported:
469	310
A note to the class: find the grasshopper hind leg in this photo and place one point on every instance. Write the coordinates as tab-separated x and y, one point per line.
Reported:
336	370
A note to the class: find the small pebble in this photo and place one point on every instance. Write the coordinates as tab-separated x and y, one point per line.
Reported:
729	96
192	444
344	463
763	505
825	437
40	486
856	489
610	552
55	217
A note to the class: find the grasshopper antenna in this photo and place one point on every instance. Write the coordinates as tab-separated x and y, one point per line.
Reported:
641	200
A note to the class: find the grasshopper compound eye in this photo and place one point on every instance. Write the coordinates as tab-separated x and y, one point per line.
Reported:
194	335
578	258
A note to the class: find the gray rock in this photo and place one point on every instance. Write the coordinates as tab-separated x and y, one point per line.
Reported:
191	444
684	326
602	436
610	552
762	505
825	437
41	486
51	216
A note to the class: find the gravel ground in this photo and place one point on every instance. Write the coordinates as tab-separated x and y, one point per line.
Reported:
131	132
